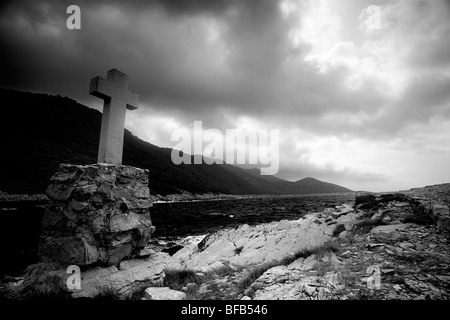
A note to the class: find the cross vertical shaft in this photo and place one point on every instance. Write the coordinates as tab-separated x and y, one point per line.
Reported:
117	98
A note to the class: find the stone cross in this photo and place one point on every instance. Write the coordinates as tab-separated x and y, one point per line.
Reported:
117	98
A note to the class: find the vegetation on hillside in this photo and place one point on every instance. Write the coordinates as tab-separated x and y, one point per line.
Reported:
41	131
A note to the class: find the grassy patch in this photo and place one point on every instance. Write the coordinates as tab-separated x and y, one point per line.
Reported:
330	246
226	270
177	279
254	274
138	291
109	293
327	247
289	259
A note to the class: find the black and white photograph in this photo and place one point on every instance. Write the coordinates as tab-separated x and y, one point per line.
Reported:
224	154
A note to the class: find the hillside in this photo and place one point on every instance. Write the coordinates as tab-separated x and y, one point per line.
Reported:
311	185
280	186
41	131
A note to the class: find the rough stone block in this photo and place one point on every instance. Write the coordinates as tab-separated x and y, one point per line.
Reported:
97	213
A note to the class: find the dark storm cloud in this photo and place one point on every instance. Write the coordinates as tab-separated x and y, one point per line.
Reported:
163	46
174	7
165	60
193	7
168	59
221	60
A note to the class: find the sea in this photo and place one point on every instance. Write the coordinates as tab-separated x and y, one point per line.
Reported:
173	220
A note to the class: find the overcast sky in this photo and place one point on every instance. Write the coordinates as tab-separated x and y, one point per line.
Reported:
365	108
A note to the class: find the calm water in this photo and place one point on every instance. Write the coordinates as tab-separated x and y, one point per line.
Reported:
192	218
20	240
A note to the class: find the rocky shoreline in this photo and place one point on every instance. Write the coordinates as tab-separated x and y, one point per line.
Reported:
385	246
394	246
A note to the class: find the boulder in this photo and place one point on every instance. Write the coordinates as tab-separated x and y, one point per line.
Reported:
97	214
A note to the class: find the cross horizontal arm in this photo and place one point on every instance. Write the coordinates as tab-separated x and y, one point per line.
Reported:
100	88
104	89
133	101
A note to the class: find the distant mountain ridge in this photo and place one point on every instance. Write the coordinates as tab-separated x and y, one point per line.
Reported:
41	131
312	185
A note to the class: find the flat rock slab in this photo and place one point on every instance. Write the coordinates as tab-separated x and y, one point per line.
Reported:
256	245
123	280
402	204
163	293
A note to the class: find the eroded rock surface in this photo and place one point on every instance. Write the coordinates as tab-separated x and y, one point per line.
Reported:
97	213
385	246
264	243
119	281
405	257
